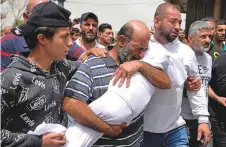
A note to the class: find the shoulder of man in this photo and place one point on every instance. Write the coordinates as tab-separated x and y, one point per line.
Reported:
13	44
67	65
186	48
94	61
11	78
209	58
220	59
75	52
187	51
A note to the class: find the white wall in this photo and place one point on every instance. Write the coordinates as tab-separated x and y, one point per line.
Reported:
114	12
117	12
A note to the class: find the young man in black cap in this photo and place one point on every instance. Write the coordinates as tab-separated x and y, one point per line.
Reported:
89	26
32	88
12	44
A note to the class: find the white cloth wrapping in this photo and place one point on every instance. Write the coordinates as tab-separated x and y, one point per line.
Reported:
116	106
48	128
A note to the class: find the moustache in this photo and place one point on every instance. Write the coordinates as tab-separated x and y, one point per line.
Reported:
206	45
175	30
90	32
136	57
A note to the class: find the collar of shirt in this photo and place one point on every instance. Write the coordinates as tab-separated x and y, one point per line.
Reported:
176	41
109	61
223	49
97	45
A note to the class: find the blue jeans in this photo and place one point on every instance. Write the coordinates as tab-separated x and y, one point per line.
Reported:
174	138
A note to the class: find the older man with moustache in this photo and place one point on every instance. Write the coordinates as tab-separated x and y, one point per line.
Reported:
199	38
91	82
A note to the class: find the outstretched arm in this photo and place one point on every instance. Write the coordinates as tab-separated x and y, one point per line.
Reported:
154	75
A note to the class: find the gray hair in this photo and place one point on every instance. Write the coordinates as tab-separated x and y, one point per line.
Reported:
197	26
127	31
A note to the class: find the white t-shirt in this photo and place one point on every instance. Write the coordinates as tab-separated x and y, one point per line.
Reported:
204	68
164	107
159	57
97	45
163	112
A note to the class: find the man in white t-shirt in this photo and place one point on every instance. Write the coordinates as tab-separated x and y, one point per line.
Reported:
199	39
163	125
89	26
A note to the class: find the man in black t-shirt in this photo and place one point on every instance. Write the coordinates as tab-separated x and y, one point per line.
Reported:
217	105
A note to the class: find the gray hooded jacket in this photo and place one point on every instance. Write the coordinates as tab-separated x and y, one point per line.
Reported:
29	97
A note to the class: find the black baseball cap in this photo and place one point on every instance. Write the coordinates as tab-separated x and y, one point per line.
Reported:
87	15
45	14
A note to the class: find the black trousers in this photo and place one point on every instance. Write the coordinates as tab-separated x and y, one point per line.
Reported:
218	128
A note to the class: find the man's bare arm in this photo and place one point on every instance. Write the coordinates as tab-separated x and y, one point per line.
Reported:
81	112
214	96
98	52
157	77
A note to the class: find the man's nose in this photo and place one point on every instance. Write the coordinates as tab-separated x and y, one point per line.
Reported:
141	54
70	42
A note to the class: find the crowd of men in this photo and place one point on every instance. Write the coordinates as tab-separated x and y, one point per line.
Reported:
145	87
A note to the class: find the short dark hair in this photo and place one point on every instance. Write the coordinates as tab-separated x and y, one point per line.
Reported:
127	31
104	26
208	19
161	9
74	30
31	39
221	22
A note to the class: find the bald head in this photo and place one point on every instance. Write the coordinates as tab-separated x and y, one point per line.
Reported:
135	29
32	3
164	8
6	30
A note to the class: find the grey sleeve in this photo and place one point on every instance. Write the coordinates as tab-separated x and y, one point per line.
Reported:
80	85
197	99
73	67
68	67
10	139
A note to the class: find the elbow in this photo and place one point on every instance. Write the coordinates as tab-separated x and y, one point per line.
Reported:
163	81
65	105
165	84
68	105
168	84
72	107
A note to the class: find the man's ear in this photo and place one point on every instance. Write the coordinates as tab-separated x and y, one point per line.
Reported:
99	34
190	39
25	16
42	39
157	21
122	40
80	25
